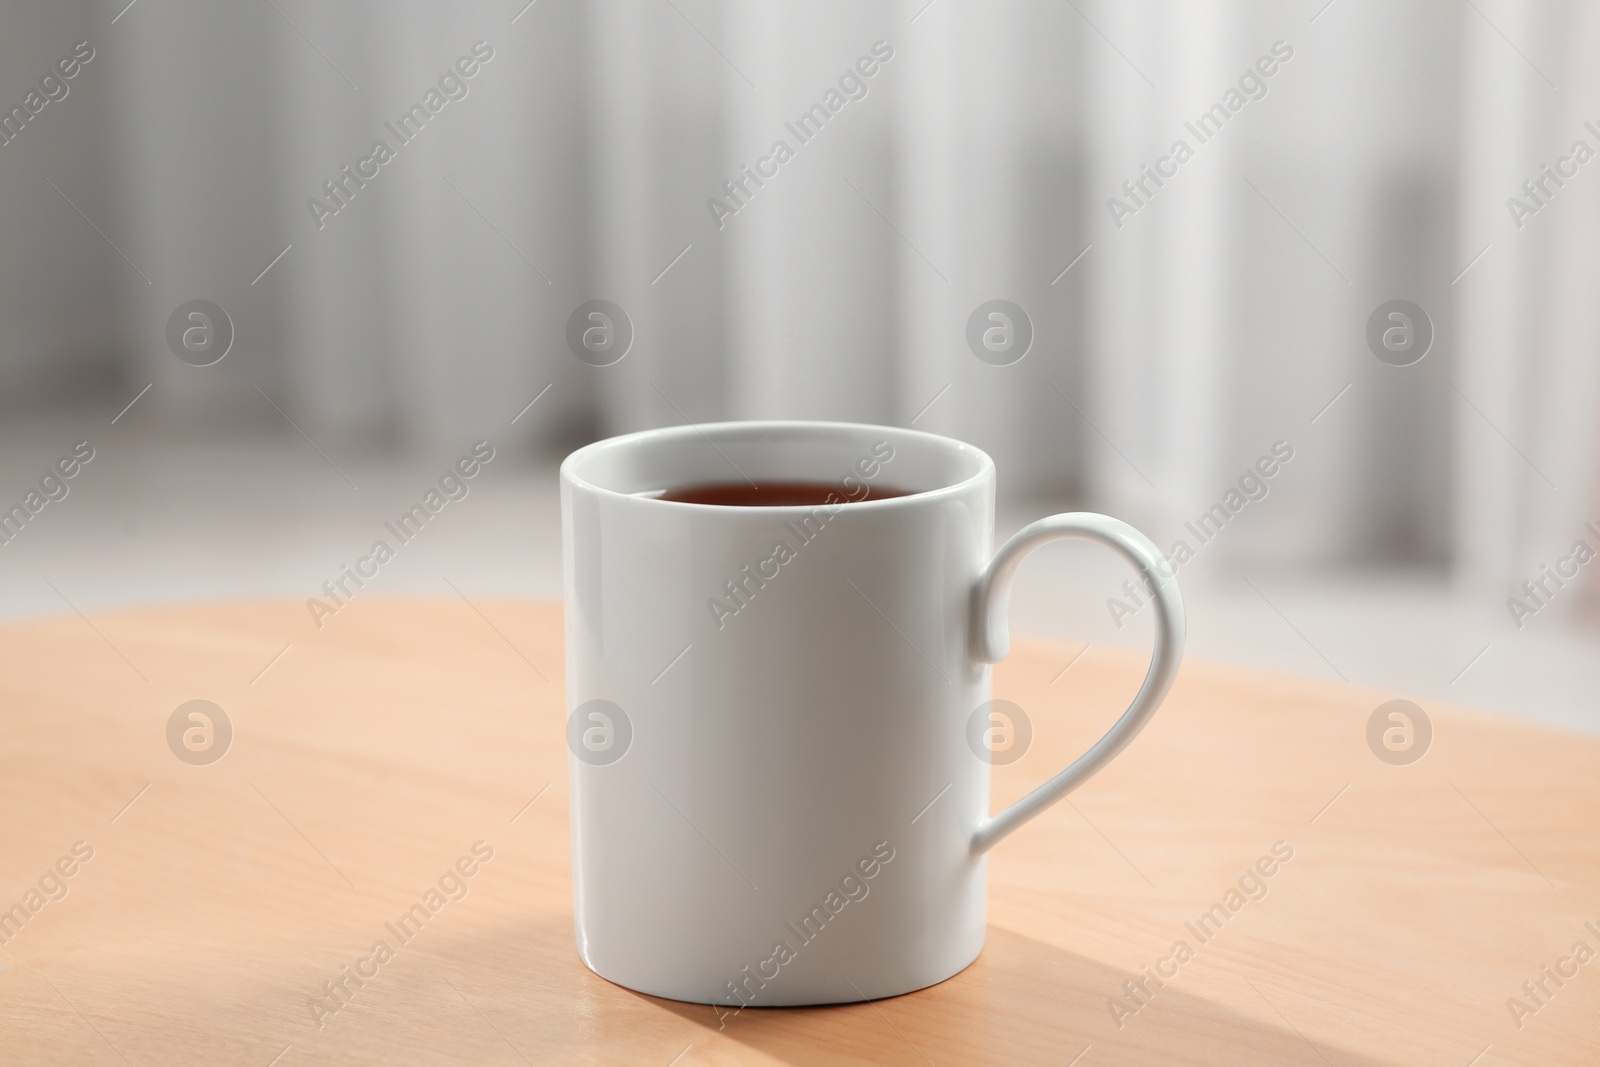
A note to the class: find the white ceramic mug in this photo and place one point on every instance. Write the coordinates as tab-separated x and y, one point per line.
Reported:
774	797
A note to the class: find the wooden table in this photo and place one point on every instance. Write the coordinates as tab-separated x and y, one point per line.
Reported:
372	755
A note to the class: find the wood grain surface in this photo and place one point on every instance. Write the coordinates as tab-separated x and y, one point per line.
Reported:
371	758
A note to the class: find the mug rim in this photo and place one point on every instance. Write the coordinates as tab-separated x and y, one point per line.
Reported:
733	428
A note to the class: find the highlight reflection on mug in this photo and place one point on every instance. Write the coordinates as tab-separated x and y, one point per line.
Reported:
1399	732
999	732
599	732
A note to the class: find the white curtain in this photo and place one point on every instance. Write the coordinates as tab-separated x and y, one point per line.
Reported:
1228	313
1527	414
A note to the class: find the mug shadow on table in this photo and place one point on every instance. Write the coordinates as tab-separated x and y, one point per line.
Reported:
994	1011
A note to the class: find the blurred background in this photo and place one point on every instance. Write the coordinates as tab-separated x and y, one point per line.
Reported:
384	311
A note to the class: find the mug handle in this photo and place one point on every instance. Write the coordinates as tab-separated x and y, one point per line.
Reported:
991	640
